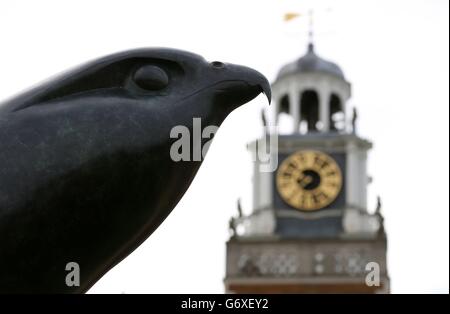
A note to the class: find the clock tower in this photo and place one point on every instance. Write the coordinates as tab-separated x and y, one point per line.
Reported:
310	230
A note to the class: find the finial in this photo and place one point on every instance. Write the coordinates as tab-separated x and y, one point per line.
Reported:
239	208
311	31
354	119
264	121
379	206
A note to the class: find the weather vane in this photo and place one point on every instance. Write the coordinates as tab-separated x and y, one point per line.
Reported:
310	15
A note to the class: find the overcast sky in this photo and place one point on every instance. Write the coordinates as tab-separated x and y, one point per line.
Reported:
395	54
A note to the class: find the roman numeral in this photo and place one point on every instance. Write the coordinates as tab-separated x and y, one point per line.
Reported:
287	174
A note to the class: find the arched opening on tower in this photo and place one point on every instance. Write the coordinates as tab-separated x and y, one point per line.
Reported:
284	104
284	118
337	117
309	101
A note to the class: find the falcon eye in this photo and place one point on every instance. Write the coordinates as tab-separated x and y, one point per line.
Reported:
217	64
151	77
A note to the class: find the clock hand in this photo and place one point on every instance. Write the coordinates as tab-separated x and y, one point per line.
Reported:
305	180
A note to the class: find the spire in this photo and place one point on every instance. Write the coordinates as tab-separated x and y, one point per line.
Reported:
311	31
293	15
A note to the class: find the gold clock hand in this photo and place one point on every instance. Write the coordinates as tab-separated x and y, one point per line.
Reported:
304	180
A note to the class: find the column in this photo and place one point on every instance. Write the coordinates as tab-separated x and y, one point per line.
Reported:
324	109
294	107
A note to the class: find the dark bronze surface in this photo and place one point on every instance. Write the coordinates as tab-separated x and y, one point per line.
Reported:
85	168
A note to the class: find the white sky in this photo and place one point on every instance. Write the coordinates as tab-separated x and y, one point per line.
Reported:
395	53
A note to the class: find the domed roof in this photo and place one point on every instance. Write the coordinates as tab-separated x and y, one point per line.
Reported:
311	62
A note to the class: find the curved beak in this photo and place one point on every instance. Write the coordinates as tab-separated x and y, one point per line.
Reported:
256	80
239	84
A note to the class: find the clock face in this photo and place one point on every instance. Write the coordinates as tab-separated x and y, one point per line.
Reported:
309	180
